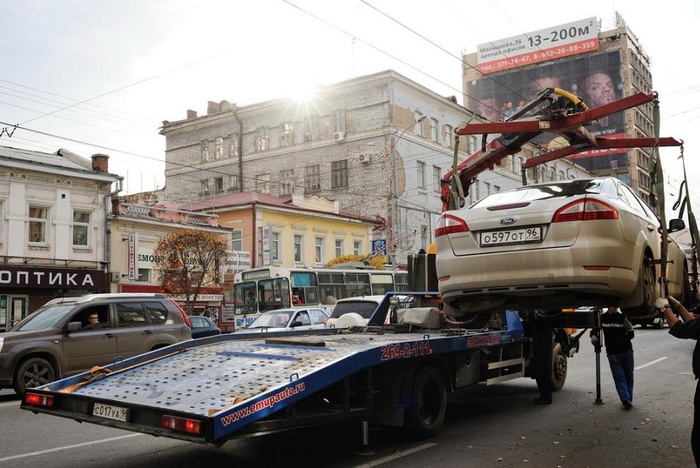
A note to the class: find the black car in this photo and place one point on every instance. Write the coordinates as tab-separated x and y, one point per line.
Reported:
203	326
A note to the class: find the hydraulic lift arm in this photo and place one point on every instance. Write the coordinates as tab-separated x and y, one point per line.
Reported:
567	116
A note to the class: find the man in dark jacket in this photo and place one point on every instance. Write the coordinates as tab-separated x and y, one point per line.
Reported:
618	334
689	327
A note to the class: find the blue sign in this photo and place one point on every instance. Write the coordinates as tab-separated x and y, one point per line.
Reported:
379	246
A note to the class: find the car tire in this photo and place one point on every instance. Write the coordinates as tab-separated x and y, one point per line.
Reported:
645	295
33	372
427	404
560	366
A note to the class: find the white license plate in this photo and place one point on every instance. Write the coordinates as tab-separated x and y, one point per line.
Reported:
116	413
510	236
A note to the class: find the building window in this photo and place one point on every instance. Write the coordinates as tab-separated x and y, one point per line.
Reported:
204	148
237	240
449	136
298	247
287	134
421	174
204	187
275	246
310	127
436	178
262	183
219	148
318	250
487	189
339	174
433	129
219	184
418	126
339	121
471	144
144	275
357	247
81	228
424	237
233	147
233	182
312	178
262	139
37	224
339	248
286	182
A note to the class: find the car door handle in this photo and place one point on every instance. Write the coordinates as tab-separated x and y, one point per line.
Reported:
651	227
147	332
108	335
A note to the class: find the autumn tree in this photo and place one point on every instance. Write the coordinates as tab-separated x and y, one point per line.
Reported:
188	260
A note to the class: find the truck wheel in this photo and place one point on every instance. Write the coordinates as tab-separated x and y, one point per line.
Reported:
33	372
428	404
560	366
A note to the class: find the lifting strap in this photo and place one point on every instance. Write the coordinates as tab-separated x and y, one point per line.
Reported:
657	183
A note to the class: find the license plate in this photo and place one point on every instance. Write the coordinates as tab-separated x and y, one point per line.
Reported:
510	236
116	413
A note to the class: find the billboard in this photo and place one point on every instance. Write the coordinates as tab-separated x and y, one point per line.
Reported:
594	77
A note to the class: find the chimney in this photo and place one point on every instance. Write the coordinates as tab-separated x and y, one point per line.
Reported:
212	107
191	114
100	162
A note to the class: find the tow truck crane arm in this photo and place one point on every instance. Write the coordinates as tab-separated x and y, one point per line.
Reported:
566	117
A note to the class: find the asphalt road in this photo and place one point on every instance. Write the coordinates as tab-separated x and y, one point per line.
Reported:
486	426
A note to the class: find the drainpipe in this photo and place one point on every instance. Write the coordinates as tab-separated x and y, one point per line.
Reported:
240	149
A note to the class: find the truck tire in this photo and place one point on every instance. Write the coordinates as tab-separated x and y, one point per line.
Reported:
33	372
427	403
560	367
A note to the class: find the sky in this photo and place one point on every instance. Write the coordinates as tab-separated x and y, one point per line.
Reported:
100	76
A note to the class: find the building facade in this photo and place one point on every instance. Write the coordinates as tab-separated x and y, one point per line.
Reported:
53	228
376	144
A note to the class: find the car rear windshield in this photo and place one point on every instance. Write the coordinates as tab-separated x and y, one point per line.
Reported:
541	191
364	308
44	318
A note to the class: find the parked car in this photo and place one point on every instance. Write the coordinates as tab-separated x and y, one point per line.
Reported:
356	311
555	245
287	320
72	334
203	326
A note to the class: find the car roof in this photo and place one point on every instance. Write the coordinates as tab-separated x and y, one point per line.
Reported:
362	298
104	296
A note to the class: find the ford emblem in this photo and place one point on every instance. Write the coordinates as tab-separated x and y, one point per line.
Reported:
507	221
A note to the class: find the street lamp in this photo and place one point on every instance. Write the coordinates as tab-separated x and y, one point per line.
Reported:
394	206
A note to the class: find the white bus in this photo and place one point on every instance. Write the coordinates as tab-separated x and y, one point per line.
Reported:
261	289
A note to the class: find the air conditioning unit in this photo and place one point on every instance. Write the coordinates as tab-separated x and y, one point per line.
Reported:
338	136
365	158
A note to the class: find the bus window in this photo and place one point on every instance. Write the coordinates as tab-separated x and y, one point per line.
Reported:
245	298
357	284
274	293
305	287
401	280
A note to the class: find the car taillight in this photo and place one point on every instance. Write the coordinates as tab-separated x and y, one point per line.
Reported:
191	426
584	210
185	317
448	224
37	399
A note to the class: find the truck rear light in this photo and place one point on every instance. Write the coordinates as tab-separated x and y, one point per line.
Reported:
585	210
191	426
448	224
37	399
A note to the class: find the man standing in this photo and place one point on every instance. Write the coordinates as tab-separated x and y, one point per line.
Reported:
618	334
539	327
689	327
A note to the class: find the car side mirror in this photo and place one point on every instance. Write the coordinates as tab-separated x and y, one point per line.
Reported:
676	225
74	326
296	324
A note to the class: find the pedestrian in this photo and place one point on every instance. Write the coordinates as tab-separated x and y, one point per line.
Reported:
687	328
618	334
539	327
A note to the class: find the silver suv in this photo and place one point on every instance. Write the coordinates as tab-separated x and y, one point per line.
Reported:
72	334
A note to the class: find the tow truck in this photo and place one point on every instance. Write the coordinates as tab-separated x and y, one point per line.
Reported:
394	372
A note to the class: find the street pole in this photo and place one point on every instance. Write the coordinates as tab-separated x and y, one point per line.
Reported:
394	205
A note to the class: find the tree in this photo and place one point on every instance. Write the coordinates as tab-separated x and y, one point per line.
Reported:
189	259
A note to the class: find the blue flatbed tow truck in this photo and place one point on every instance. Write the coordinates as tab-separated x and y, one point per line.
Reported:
217	388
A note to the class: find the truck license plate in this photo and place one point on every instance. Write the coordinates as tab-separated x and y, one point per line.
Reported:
511	236
116	413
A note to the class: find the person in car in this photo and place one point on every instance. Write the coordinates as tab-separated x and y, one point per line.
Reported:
687	328
93	318
618	334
